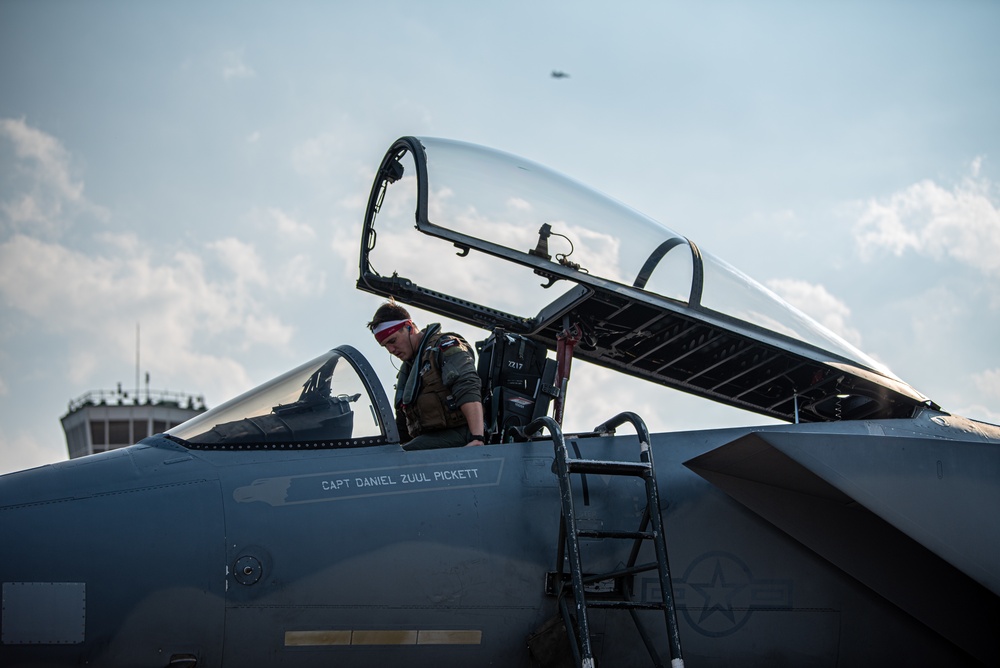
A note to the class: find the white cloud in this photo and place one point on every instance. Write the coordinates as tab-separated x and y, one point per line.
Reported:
280	266
83	365
816	302
317	156
299	277
267	330
22	450
291	229
46	152
47	194
782	217
988	382
519	204
234	66
240	258
962	223
334	156
99	298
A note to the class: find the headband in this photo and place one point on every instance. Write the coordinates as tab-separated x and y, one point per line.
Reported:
384	330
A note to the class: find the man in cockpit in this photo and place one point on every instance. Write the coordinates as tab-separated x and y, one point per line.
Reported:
438	392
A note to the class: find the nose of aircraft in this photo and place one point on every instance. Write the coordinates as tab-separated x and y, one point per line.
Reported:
145	526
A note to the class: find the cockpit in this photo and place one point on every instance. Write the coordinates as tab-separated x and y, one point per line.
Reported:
332	401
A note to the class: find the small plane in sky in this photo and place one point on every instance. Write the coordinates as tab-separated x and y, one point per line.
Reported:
559	74
288	527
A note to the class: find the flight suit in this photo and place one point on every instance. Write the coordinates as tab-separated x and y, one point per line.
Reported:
430	392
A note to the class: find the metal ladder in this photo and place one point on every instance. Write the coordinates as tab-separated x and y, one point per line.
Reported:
576	619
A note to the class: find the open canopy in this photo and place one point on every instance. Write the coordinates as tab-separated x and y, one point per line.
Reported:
553	254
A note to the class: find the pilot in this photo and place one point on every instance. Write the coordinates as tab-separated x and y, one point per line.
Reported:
438	392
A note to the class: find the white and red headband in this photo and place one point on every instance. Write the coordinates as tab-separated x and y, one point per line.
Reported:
384	330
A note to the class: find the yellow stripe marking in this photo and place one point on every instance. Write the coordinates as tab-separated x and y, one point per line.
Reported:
384	638
307	638
449	637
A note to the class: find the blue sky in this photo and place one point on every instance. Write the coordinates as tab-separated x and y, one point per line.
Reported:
203	169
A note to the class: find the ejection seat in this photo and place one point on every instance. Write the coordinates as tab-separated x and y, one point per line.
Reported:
518	384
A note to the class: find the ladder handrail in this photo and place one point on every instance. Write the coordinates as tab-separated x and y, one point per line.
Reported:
607	428
569	537
582	653
652	515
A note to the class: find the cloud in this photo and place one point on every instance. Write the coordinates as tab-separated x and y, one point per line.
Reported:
332	156
266	330
99	298
234	66
962	222
519	203
83	365
299	277
317	156
45	194
291	229
344	244
22	450
201	310
46	152
816	302
241	259
988	382
283	269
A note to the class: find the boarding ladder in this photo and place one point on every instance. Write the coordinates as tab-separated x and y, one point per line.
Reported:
576	618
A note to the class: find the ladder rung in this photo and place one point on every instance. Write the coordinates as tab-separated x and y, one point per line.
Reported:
608	468
622	572
595	533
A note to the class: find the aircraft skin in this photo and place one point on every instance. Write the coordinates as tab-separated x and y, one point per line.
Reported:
446	547
835	542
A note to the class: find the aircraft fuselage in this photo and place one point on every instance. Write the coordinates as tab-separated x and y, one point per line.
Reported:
306	558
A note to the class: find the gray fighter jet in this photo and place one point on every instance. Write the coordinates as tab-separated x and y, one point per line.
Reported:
287	527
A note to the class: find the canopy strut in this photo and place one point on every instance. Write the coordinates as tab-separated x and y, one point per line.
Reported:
566	342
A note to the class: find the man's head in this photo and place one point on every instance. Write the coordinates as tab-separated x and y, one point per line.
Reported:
394	330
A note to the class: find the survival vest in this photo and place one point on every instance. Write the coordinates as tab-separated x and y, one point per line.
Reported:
432	406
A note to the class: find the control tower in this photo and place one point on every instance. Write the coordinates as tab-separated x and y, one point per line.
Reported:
103	420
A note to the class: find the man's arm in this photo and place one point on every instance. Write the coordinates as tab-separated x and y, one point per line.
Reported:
459	374
473	412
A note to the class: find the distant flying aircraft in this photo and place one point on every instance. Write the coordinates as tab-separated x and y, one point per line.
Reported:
288	527
557	74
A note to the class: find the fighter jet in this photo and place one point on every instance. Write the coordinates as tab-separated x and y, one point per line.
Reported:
288	527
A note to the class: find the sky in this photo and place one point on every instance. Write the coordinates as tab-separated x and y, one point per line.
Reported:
200	170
